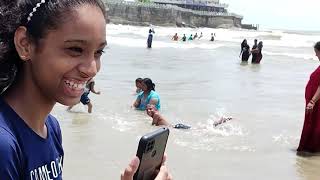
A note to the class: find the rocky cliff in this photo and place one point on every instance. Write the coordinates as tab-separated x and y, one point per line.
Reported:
165	15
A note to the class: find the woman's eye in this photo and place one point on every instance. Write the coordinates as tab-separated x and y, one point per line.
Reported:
99	53
74	51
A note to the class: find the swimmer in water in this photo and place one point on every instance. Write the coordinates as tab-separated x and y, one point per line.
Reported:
222	120
159	120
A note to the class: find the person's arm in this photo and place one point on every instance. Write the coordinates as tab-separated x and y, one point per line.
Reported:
241	51
92	88
254	49
136	104
313	100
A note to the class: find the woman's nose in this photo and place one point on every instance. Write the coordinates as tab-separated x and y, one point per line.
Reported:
89	69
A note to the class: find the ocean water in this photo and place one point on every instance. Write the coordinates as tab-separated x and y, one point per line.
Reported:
198	81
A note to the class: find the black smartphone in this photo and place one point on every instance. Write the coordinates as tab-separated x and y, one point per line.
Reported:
150	152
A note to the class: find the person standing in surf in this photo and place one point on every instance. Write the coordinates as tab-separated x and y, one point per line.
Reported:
310	136
150	38
254	52
184	38
259	54
245	51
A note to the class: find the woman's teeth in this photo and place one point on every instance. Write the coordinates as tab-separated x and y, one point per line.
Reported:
76	86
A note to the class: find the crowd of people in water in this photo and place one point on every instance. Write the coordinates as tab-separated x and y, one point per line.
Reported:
176	37
245	51
192	37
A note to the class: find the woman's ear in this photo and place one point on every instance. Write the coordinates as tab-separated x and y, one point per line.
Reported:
22	43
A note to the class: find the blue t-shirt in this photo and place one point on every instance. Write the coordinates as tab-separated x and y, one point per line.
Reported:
145	101
24	155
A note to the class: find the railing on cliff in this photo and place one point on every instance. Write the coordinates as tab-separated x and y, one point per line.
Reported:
186	2
166	6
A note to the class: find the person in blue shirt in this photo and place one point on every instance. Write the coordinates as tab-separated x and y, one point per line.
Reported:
147	96
48	51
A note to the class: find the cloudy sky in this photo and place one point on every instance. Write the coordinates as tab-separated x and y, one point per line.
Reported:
278	14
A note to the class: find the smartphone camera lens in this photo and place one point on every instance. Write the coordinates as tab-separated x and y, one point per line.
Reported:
153	153
150	146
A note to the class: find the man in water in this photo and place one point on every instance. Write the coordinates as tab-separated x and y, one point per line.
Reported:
159	120
175	37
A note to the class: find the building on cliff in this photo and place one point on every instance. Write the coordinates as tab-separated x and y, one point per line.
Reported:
199	5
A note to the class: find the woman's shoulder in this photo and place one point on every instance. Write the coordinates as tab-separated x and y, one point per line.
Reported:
11	157
154	93
9	146
55	126
53	122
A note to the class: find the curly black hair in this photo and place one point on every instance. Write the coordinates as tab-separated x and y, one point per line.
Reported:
14	13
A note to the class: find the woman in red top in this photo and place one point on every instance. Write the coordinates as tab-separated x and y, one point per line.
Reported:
310	137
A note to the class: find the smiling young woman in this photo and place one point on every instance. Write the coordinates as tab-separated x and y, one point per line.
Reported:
49	49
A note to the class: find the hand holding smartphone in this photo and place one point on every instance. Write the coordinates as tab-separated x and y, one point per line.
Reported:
150	152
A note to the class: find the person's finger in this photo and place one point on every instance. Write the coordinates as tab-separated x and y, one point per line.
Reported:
131	169
163	173
164	159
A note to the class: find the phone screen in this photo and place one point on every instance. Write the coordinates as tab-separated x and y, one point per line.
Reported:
150	152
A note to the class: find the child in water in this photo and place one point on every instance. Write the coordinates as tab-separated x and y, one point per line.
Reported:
138	85
85	96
